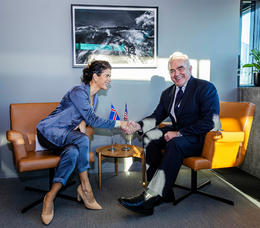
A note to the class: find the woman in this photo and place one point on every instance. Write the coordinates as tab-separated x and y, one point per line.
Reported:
58	132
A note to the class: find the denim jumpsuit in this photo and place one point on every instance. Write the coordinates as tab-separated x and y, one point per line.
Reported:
57	132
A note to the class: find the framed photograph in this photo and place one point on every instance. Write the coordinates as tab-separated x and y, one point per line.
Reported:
126	36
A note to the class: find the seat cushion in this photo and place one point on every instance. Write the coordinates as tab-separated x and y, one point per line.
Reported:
42	160
197	163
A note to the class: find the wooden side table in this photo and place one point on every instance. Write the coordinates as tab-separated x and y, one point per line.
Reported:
134	151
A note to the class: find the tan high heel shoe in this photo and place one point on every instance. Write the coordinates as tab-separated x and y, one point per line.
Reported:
88	199
47	218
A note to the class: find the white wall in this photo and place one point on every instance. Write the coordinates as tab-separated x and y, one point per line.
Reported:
36	57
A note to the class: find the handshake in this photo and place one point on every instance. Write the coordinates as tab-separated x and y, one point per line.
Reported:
129	127
149	130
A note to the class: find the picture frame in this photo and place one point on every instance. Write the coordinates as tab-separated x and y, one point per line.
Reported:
126	36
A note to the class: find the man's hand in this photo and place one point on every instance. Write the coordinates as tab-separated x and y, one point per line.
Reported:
170	134
130	127
134	126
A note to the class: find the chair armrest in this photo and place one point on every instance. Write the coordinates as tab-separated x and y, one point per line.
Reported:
221	148
15	137
226	136
164	124
18	143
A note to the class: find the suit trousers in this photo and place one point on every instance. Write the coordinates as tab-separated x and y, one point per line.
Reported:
74	154
164	160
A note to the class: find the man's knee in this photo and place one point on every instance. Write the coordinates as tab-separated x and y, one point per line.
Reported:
174	149
175	143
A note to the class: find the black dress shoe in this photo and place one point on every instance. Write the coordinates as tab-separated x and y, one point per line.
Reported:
143	204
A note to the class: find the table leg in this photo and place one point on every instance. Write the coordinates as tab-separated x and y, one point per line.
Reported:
99	170
143	169
116	166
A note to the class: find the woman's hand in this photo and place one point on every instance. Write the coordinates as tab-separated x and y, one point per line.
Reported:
82	127
124	125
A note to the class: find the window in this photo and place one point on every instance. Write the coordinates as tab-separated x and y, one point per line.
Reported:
247	41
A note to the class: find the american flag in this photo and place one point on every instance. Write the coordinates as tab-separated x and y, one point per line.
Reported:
113	114
126	115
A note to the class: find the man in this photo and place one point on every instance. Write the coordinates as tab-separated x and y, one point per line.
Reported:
193	107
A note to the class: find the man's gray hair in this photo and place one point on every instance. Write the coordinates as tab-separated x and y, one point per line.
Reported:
178	55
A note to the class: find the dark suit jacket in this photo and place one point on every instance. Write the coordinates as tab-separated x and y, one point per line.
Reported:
195	115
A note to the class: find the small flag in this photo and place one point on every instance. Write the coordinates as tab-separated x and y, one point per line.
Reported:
126	115
113	114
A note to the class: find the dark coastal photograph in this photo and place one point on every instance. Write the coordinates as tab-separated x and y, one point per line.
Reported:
126	37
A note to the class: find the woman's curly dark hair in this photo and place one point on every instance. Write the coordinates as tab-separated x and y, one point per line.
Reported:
97	66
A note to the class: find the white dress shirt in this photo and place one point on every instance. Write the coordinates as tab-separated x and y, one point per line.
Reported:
176	91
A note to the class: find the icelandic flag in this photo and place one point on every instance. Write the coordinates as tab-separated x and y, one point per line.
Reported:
126	115
113	114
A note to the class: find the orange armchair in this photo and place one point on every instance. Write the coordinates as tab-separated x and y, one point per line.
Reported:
23	120
222	149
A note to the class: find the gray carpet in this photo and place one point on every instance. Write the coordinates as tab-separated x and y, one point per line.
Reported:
241	180
195	211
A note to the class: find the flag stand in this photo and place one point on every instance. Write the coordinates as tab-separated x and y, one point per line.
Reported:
112	148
